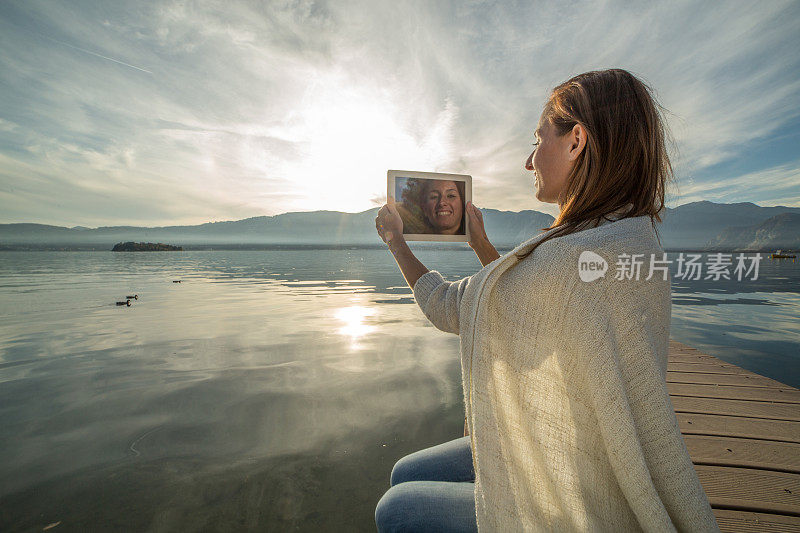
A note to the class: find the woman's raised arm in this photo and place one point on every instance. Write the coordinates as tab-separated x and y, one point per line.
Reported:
440	300
390	228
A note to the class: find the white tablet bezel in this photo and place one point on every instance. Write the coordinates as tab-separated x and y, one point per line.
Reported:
390	193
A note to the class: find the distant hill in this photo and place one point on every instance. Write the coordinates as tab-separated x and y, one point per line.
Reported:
316	227
778	232
694	226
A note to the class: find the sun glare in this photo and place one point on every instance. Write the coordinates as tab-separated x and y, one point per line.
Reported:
353	318
348	137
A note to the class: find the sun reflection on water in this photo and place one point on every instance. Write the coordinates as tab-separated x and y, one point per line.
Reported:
354	326
354	318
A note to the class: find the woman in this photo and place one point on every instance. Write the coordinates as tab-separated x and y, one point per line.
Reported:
570	423
443	206
432	206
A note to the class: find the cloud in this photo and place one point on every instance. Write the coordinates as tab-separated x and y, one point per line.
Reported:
772	186
257	108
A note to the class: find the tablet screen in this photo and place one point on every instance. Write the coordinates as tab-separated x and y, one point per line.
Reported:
432	205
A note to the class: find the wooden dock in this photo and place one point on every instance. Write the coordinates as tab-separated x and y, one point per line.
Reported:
742	431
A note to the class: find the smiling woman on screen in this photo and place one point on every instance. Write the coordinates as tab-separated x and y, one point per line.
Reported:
432	206
570	423
443	206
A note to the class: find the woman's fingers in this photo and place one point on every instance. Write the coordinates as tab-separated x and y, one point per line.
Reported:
476	210
379	227
388	223
381	224
476	226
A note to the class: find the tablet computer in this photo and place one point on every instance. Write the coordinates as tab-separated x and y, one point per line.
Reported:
431	204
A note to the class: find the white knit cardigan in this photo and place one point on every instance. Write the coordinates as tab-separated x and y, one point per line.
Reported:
570	422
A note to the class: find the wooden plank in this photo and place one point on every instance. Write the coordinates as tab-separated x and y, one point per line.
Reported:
742	431
737	380
747	489
745	453
709	368
685	348
685	352
679	344
694	359
695	362
706	363
738	426
714	406
745	522
688	353
786	395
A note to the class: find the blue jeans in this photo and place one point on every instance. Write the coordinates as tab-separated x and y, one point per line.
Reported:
431	490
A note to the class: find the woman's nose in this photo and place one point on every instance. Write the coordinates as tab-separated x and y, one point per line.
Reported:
529	162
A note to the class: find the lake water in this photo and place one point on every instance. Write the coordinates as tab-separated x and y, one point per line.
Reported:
269	390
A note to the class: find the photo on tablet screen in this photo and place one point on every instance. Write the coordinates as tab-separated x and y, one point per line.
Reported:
432	205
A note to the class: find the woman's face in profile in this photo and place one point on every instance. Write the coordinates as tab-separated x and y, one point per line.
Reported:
442	206
551	162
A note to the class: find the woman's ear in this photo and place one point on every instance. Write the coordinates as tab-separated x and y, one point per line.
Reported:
577	138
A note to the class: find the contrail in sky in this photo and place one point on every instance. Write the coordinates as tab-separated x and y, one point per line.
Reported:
98	55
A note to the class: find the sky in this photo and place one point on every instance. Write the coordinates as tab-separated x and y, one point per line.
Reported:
180	112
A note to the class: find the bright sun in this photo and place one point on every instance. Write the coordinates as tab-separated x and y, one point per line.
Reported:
349	136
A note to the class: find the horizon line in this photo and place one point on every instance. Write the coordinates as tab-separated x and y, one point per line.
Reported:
364	211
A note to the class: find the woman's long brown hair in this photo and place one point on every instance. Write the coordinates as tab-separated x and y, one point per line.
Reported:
625	159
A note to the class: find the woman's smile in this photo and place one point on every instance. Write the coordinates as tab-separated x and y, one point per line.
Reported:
442	211
443	217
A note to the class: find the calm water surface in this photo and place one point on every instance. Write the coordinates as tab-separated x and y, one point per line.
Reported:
269	390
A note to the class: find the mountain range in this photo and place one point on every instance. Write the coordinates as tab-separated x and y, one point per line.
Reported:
698	226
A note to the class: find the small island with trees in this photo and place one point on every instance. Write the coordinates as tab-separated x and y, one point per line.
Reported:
145	247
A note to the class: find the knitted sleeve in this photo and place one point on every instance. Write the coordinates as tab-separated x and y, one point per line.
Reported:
440	300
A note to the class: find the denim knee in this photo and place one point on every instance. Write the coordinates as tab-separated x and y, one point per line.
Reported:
393	512
401	472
